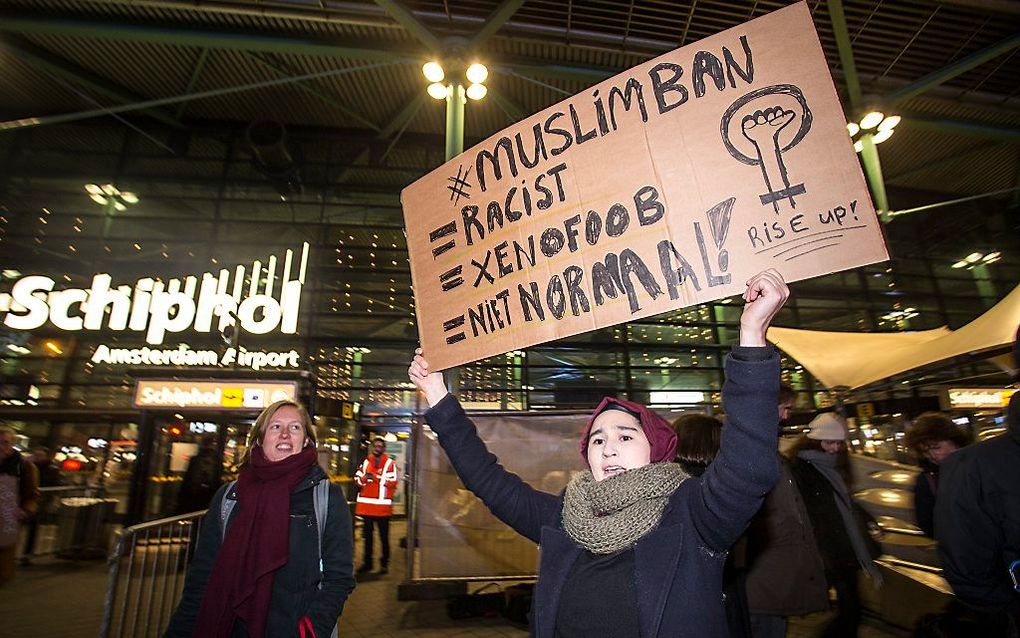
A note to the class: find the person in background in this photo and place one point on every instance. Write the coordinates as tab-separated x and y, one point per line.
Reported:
19	499
635	546
820	465
261	569
697	443
784	573
932	438
377	478
201	479
977	525
49	476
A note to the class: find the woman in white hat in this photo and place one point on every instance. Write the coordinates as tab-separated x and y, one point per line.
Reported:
821	466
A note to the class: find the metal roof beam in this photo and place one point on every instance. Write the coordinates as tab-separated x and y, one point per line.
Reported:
514	111
399	13
51	63
846	53
395	127
1010	7
23	22
959	67
959	127
500	16
196	75
333	101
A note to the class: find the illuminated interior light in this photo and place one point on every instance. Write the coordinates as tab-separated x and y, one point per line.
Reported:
433	71
853	128
477	91
882	136
438	91
871	120
889	123
477	73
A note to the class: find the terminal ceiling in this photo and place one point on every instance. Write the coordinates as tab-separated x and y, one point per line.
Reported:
948	67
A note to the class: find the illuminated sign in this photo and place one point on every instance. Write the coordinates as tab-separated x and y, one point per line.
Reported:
215	395
979	398
156	310
183	355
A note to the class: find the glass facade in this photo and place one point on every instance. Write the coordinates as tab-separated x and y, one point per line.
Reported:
209	210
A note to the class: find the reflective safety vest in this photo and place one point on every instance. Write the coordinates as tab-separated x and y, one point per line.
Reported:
376	495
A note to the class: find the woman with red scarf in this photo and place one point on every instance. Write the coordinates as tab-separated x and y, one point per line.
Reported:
635	546
260	573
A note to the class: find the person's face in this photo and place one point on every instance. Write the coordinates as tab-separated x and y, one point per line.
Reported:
285	434
6	445
832	447
378	447
785	408
617	444
940	451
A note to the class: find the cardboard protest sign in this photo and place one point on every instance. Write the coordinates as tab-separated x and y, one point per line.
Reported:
668	185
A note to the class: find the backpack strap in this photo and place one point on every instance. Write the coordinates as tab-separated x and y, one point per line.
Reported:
320	501
226	506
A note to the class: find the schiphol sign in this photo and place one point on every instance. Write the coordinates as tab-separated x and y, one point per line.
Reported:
157	309
184	356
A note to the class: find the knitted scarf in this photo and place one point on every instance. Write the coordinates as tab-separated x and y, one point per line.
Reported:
257	544
613	514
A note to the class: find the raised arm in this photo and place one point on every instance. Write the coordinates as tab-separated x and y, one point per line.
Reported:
507	496
746	467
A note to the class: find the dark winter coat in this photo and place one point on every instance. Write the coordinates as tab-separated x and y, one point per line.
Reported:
833	539
785	575
295	585
977	519
677	566
925	488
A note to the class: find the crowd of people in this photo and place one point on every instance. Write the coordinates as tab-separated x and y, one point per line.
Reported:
699	527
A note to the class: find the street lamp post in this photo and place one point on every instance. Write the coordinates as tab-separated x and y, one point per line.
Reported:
112	199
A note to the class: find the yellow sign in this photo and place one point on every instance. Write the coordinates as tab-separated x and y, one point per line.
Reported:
865	410
347	410
181	394
979	398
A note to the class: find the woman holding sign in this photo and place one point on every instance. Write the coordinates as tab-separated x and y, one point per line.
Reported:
635	546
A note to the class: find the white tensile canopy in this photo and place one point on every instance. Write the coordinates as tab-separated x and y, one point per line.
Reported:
853	360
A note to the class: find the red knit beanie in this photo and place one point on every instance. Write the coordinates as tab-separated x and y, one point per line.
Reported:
658	431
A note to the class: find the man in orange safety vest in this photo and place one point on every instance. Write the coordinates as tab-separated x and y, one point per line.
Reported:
377	478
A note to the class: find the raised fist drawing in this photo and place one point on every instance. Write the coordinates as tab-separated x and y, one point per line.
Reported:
763	127
764	115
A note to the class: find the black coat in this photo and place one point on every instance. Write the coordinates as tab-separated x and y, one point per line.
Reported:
819	496
977	521
295	585
785	575
925	488
677	566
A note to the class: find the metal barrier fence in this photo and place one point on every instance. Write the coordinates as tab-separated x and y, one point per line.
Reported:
147	570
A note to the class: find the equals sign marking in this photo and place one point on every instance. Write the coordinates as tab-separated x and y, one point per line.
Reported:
439	233
451	278
453	324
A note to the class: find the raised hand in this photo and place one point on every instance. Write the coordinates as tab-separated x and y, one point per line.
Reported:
765	295
430	383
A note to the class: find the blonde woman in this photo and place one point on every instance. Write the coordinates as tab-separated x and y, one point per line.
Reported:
260	569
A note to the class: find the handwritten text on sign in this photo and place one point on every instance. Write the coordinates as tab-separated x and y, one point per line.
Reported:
668	185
